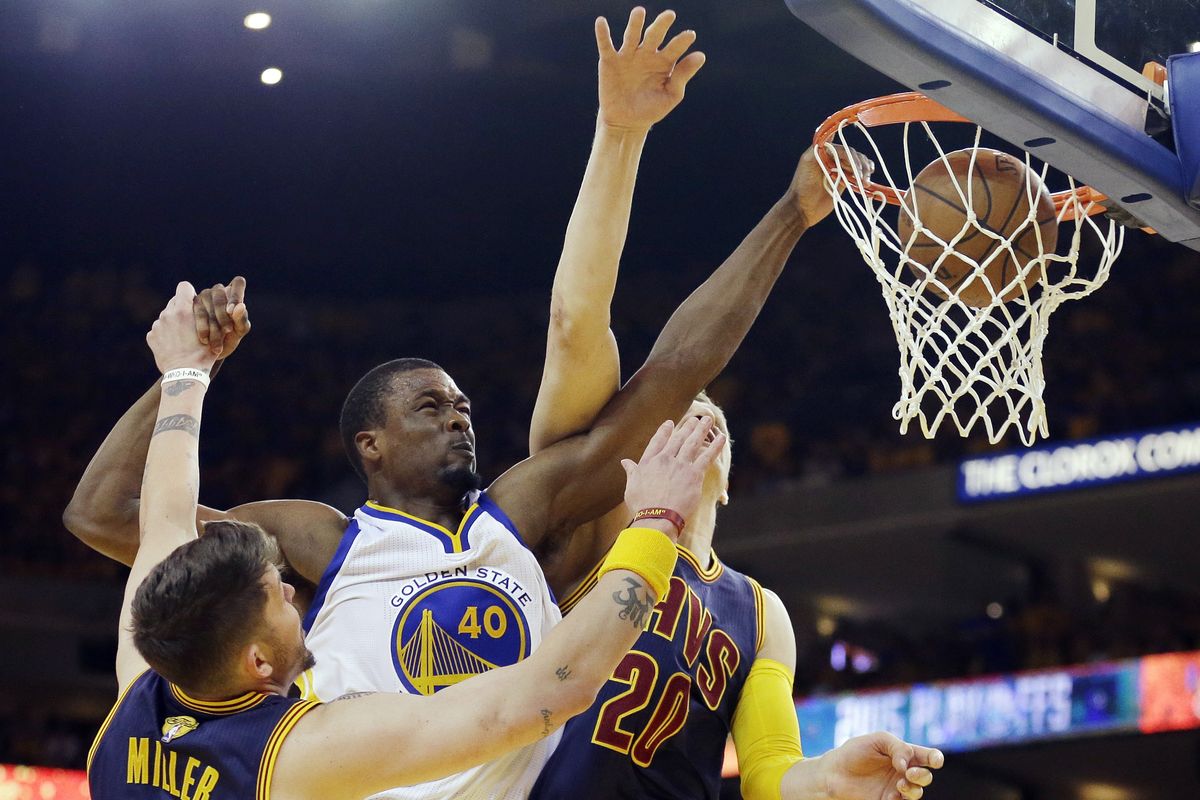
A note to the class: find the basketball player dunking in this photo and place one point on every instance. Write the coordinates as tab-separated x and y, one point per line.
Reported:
432	581
720	653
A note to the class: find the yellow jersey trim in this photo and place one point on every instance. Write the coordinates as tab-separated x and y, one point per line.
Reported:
455	537
586	585
266	767
712	573
108	720
306	682
708	576
218	707
760	613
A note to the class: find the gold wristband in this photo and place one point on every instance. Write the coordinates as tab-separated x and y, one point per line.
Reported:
649	553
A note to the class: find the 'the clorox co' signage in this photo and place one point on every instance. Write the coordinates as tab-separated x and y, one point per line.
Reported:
1165	451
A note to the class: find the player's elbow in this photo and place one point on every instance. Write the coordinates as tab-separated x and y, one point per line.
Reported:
577	326
78	518
101	532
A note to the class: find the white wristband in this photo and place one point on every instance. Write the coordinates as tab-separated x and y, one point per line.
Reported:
186	374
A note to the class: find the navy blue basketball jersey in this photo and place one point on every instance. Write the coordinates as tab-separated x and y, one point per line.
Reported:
157	743
659	725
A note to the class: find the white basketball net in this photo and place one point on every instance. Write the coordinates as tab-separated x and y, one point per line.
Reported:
969	365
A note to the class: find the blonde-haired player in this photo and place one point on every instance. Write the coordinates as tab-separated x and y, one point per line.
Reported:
720	654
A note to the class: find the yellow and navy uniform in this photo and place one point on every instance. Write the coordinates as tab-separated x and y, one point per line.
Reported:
659	725
158	742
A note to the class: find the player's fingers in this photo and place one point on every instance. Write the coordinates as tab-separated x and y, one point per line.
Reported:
686	69
185	291
690	450
679	45
902	753
659	440
657	31
214	328
604	42
680	436
241	319
629	467
633	29
220	299
908	791
201	318
918	776
237	291
927	756
710	450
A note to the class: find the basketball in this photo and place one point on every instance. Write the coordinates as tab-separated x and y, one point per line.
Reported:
1001	201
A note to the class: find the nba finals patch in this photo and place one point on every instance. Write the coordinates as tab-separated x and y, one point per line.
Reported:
176	727
454	629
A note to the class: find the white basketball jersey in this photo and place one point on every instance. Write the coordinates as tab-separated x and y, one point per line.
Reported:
409	606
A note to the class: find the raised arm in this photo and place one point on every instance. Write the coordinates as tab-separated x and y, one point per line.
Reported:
171	478
103	513
577	480
639	85
360	746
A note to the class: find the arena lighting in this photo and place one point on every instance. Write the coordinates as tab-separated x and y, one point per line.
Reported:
271	76
1194	47
257	21
1104	791
995	610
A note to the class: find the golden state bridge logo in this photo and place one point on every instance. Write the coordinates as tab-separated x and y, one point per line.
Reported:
455	629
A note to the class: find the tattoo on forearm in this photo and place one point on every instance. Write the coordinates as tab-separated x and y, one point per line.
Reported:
634	608
176	388
352	695
563	672
546	722
178	422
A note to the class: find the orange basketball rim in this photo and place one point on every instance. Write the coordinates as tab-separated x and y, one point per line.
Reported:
908	107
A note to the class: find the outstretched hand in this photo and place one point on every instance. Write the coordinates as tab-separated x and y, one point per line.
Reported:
221	318
879	766
640	83
671	471
807	190
172	337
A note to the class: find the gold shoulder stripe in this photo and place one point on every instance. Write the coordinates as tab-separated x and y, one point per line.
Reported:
112	713
218	707
759	613
266	767
586	585
712	573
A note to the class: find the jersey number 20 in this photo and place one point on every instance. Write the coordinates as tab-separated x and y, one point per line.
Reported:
640	671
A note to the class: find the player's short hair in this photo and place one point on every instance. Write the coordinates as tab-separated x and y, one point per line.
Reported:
365	408
204	602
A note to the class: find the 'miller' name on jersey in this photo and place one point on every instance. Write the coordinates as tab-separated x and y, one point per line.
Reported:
166	773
